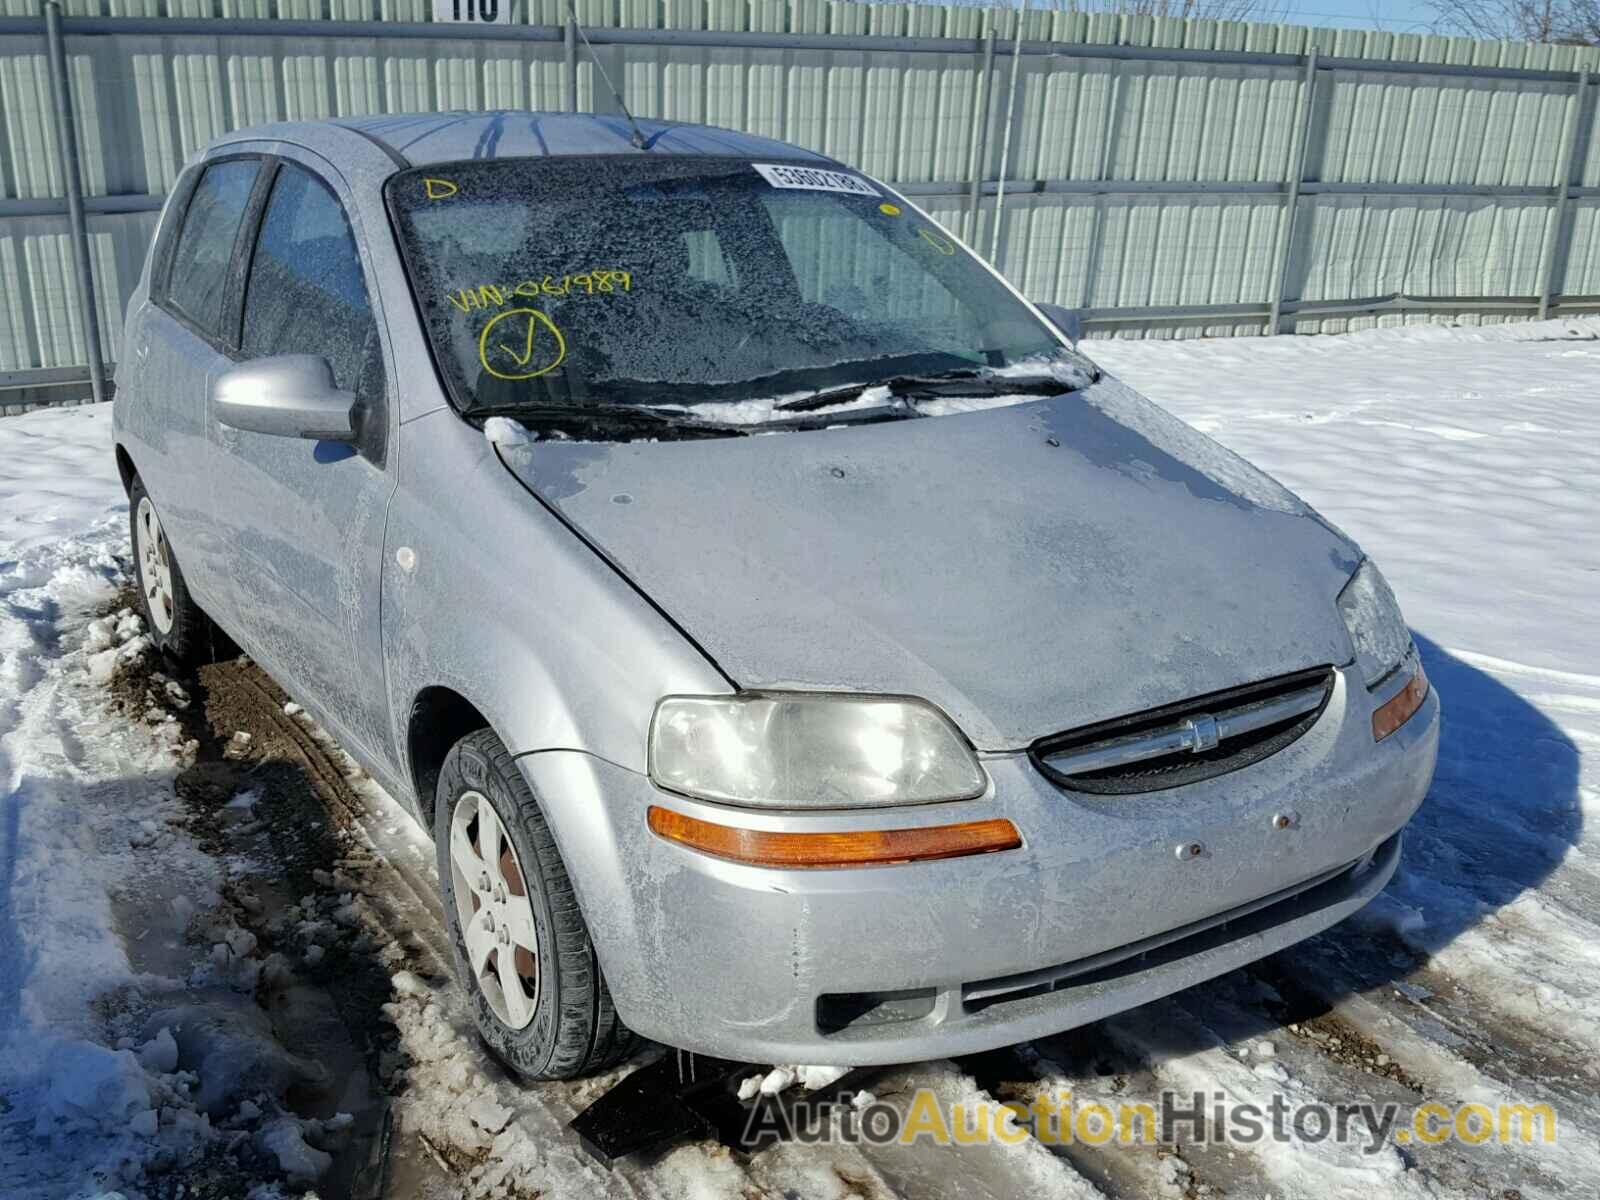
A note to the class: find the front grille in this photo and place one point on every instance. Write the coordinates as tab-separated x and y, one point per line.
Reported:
1187	742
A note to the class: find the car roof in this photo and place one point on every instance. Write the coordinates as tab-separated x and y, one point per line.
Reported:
418	139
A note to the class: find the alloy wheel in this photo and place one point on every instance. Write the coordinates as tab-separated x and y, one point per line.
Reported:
155	567
497	921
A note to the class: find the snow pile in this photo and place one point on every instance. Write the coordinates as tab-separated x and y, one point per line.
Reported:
91	1088
124	640
503	1140
780	1079
503	431
285	1140
761	410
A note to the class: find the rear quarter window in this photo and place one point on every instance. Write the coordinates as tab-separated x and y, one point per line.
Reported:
198	275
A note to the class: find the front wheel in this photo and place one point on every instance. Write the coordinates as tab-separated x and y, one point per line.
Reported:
176	623
522	948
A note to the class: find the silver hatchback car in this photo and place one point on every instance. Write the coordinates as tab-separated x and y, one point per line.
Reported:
798	651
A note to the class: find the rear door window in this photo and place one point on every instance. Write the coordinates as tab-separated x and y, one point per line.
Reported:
306	293
199	273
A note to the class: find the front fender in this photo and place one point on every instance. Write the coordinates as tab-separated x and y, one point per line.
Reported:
487	593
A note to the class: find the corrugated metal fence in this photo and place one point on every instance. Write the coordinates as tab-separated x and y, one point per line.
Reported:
1168	177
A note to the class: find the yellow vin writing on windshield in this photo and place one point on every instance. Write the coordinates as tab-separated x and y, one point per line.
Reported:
521	343
587	283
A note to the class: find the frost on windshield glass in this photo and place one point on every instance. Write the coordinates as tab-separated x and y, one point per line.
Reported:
679	281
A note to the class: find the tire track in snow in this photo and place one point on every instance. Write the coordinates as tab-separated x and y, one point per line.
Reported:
1085	1066
1330	1058
416	919
1438	1032
1210	1039
987	1171
1188	1056
1412	1034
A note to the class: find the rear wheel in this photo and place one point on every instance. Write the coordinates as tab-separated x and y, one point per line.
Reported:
522	948
176	623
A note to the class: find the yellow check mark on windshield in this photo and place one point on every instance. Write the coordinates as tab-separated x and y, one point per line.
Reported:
527	349
502	362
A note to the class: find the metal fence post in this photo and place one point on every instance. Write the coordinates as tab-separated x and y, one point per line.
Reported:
569	82
1573	143
1005	141
979	159
1292	198
67	143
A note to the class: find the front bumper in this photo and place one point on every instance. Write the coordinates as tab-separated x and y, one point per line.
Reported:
1096	913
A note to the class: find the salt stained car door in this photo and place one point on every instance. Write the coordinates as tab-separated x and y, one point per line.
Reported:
307	516
180	342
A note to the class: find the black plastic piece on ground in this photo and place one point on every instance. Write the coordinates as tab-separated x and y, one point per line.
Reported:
683	1096
656	1105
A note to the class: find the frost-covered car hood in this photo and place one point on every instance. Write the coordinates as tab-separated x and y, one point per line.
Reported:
1030	568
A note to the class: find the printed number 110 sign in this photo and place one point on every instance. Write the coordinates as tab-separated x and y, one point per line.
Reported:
473	12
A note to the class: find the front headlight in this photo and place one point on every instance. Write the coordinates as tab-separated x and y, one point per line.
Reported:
1372	615
810	750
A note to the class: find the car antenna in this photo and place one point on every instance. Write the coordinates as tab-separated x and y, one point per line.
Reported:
638	139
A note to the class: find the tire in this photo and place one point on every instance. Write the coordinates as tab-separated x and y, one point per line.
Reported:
176	623
551	1015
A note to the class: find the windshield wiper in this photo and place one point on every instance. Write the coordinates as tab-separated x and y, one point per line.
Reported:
964	382
612	418
994	385
897	384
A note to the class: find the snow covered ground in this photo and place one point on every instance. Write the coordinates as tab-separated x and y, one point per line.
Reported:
1467	462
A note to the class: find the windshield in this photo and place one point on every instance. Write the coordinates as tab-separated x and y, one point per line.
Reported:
548	284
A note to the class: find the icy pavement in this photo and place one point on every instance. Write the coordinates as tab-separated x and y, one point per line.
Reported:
1467	462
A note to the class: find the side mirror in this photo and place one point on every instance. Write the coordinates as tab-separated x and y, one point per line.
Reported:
287	395
1068	320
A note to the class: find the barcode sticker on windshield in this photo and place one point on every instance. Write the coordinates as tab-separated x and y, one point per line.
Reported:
812	180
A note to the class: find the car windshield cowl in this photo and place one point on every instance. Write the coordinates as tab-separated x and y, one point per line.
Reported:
962	383
782	403
622	422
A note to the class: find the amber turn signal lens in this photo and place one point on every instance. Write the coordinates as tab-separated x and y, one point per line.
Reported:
1396	711
868	848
